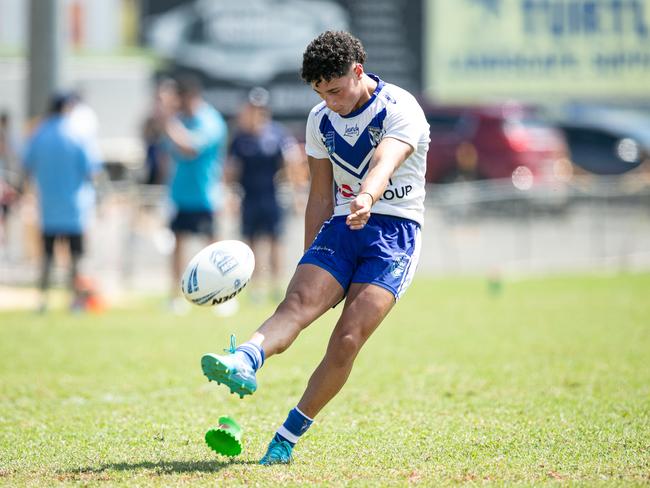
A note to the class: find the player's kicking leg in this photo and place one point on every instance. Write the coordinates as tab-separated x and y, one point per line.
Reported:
365	308
311	292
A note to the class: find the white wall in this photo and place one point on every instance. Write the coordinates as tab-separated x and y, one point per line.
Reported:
102	31
13	23
102	24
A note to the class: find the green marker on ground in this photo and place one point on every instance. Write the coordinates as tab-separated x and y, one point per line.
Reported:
225	439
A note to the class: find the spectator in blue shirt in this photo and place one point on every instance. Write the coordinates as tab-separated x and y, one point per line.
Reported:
197	136
62	166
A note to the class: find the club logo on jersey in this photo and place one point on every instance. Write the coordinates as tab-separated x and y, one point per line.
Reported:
375	134
329	142
351	131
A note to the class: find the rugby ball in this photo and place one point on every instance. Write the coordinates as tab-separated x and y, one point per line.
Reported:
217	273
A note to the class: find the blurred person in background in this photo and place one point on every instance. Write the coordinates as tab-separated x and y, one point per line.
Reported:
9	150
62	165
8	172
156	162
260	149
84	122
196	135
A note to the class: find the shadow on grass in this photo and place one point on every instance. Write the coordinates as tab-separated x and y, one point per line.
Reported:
165	467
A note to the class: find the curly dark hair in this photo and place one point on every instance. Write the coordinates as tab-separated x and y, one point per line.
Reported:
330	56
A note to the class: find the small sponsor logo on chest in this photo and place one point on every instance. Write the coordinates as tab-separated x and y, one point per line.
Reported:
351	131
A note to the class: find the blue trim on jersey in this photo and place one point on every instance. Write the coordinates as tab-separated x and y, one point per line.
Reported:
344	154
338	162
380	85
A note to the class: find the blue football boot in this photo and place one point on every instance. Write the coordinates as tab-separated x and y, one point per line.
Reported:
231	370
278	452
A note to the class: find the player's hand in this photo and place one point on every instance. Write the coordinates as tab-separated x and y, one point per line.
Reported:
359	211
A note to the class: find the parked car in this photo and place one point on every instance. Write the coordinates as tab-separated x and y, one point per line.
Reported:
606	140
496	141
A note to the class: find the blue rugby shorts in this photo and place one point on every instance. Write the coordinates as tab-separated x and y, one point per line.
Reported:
384	253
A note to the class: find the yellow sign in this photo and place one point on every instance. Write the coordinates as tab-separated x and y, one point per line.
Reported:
529	49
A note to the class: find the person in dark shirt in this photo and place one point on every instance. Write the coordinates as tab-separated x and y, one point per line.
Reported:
260	149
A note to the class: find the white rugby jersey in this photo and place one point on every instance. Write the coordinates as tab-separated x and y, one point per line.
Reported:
349	142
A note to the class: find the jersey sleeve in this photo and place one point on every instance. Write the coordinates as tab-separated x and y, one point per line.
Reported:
314	146
407	123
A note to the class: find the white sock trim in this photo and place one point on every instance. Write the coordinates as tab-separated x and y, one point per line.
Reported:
303	414
284	432
252	349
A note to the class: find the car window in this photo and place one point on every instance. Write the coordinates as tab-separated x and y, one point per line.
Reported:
594	136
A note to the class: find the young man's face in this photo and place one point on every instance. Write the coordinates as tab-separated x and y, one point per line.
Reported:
342	94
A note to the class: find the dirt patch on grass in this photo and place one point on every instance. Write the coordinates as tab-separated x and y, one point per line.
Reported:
16	298
83	476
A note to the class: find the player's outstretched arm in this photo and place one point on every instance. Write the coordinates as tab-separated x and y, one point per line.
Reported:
389	155
320	204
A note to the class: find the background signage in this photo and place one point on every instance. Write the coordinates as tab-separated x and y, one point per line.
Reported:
538	48
237	45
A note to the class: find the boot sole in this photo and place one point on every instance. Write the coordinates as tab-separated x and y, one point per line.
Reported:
215	370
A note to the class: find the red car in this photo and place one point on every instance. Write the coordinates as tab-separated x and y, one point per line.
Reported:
498	141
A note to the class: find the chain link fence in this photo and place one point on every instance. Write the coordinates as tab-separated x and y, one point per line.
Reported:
485	227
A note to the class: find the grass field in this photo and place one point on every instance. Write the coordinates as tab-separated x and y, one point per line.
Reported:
547	382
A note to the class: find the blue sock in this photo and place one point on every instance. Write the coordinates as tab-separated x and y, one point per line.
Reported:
251	353
296	425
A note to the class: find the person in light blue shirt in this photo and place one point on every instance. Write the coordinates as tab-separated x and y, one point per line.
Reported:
197	135
61	165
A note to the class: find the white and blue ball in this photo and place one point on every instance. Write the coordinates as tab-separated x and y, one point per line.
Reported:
218	273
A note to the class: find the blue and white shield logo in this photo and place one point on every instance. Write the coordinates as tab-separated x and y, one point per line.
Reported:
375	134
398	266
